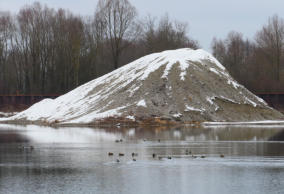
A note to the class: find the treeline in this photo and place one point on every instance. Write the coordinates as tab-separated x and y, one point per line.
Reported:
259	63
47	51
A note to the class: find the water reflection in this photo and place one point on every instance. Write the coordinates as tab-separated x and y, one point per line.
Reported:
43	134
279	136
75	160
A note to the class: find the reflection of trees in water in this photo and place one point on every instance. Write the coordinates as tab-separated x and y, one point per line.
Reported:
178	134
12	137
150	133
274	148
203	134
278	136
271	149
243	134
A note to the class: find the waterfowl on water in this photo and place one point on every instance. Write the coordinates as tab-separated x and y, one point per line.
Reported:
110	154
26	147
187	152
134	154
120	154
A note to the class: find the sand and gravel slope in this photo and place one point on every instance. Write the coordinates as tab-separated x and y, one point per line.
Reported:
181	85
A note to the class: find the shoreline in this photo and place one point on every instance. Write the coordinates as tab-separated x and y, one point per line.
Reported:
153	123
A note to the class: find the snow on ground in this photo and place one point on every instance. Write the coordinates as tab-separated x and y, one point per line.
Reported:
7	114
131	117
142	103
177	115
251	102
214	70
210	100
190	108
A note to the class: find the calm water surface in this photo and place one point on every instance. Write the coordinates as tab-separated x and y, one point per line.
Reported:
75	160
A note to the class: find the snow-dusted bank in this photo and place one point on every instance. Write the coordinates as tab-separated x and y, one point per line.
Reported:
258	124
7	114
176	86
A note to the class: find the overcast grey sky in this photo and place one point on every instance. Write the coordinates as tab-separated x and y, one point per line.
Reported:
206	18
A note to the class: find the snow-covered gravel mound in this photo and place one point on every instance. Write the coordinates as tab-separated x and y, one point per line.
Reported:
7	114
177	85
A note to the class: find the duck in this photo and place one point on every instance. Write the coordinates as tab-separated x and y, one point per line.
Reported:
187	152
110	154
120	154
134	154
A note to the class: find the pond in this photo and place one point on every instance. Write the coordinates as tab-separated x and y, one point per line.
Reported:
35	159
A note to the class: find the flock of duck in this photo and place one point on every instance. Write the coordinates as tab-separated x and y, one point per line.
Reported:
135	155
154	155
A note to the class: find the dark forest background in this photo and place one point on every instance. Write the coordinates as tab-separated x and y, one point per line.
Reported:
48	51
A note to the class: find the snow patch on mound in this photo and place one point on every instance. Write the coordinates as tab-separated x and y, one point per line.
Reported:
142	103
190	108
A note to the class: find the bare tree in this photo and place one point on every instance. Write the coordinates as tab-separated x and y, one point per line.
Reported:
219	49
94	46
118	18
167	35
235	54
149	34
6	36
43	50
271	41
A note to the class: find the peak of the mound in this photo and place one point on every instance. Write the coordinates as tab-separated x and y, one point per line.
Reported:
182	85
